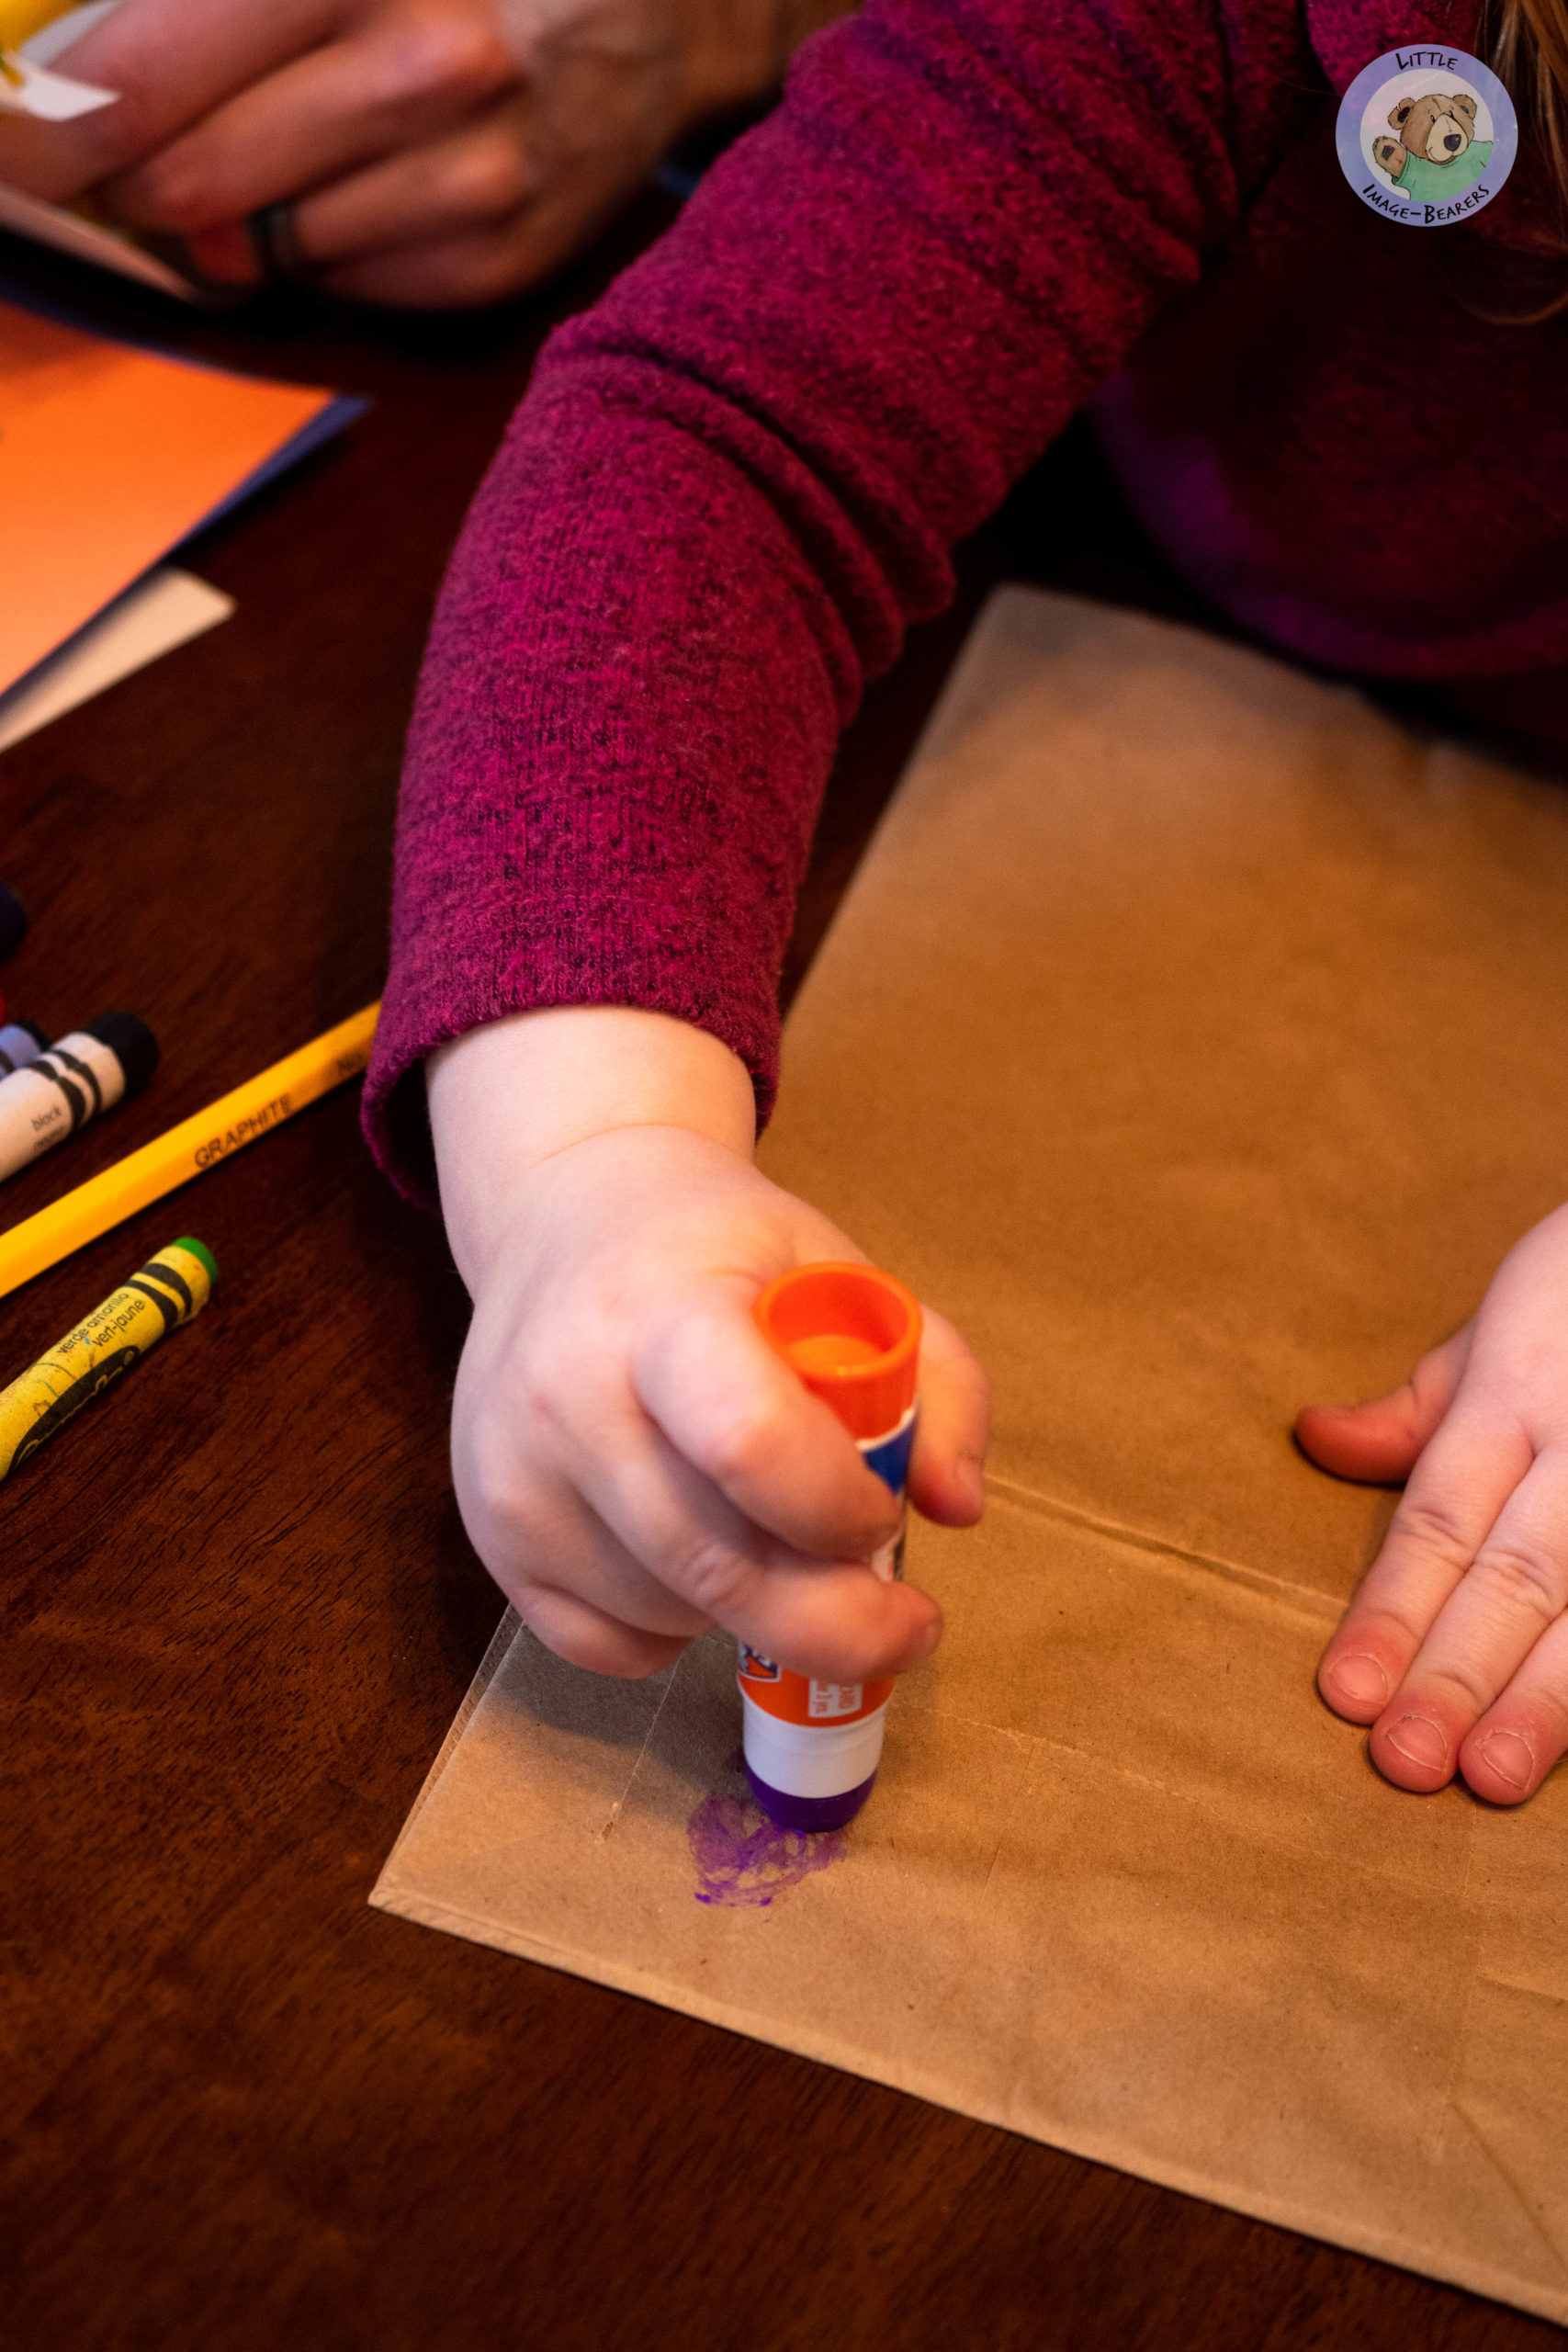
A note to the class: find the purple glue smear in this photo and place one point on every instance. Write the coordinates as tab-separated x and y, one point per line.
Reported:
744	1857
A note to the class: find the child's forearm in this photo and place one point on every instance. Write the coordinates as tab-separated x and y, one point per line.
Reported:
732	486
505	1097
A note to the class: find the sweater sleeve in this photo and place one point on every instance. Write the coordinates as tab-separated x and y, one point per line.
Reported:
735	483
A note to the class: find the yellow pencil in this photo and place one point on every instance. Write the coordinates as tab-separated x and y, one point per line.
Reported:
195	1145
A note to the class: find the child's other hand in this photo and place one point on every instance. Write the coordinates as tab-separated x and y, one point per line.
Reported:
1455	1649
632	1461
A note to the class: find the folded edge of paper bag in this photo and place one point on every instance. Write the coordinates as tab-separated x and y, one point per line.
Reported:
402	1898
500	1643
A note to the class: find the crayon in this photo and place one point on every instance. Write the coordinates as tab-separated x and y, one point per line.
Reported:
20	19
20	1042
89	1071
163	1295
13	922
195	1145
852	1335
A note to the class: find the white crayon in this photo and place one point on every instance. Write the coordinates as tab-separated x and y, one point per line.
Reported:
80	1075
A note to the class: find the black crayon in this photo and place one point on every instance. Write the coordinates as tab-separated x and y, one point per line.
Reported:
13	922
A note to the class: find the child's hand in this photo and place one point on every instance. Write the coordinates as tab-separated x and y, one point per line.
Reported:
632	1461
1455	1649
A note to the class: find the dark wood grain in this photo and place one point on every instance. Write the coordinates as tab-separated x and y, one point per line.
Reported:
241	2109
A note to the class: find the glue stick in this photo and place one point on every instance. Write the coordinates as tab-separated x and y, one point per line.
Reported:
852	1335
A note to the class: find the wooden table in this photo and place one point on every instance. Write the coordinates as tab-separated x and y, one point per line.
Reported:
241	2109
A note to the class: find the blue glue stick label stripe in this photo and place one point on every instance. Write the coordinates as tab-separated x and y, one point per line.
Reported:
889	1456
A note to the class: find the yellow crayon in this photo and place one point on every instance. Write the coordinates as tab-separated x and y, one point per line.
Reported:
166	1293
188	1150
20	19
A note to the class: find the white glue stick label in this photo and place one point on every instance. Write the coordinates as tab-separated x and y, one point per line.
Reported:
43	1105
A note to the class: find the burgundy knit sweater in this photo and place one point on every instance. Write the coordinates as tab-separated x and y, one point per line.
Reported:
734	483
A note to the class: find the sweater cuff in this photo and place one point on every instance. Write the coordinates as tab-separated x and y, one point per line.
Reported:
416	1019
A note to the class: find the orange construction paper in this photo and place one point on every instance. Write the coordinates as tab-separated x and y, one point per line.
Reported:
108	458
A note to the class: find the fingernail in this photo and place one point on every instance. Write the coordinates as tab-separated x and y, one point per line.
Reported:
1360	1679
973	1481
927	1640
1420	1741
1511	1757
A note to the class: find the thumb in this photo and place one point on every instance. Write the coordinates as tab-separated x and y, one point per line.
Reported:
1380	1441
945	1482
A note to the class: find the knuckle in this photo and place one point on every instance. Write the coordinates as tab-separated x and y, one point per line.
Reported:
1523	1577
1466	1691
490	179
747	1439
1436	1528
493	1481
500	1463
455	55
710	1576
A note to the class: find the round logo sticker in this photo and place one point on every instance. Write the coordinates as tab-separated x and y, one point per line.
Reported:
1427	136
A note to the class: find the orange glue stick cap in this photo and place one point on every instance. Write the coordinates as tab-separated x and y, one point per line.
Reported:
852	1335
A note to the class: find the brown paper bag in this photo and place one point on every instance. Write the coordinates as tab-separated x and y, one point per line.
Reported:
1193	1037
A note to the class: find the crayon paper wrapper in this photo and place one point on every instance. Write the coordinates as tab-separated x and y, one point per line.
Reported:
33	33
1191	1035
48	97
22	21
161	1295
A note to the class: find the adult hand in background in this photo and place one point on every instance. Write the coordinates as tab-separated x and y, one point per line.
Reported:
438	154
1455	1649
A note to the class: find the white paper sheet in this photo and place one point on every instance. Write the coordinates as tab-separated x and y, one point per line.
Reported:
51	224
168	608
